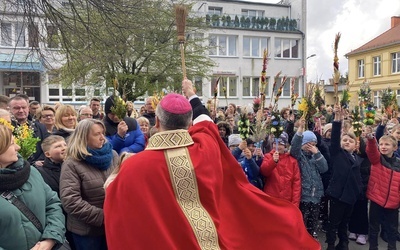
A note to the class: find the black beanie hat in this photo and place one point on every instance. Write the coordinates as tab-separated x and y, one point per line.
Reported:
249	141
109	103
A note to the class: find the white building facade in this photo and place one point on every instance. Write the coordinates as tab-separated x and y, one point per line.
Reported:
240	31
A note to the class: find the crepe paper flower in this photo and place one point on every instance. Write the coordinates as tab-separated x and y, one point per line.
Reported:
303	106
357	124
7	124
274	85
293	99
369	116
279	92
275	127
263	84
256	104
244	126
389	101
24	137
365	95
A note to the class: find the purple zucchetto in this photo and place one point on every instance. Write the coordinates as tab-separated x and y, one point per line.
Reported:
175	104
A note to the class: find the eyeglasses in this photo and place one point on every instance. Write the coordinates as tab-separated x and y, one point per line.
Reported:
87	115
47	116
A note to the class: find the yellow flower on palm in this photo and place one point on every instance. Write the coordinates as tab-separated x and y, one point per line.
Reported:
303	106
7	124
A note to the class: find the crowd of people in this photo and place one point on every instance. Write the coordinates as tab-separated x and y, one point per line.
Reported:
97	181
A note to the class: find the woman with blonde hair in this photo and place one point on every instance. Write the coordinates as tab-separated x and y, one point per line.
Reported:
130	110
65	121
30	216
46	116
89	162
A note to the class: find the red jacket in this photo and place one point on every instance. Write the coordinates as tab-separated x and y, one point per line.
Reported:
384	181
282	179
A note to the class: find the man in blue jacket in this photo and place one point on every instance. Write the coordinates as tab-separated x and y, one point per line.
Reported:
124	135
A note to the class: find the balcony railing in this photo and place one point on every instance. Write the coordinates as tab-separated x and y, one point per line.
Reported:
258	23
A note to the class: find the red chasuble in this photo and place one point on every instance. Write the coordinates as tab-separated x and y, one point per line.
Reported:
155	203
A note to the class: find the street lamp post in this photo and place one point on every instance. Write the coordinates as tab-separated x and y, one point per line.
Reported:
311	56
305	73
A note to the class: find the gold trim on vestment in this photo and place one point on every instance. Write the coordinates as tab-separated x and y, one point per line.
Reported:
170	139
184	183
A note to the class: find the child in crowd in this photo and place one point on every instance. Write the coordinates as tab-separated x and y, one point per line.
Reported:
391	127
246	154
312	164
324	142
233	141
282	174
345	185
54	148
358	224
383	189
386	127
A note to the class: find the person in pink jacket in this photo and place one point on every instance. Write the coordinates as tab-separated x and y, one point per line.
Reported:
282	174
383	189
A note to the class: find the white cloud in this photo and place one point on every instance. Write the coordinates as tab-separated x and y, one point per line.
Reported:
359	21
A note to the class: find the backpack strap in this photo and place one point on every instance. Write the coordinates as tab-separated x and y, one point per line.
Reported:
10	197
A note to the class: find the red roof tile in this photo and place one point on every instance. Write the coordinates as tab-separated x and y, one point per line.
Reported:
390	37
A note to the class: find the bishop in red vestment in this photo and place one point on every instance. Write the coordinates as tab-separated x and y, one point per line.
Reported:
186	191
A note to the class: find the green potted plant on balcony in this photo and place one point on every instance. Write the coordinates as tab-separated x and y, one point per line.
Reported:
293	24
215	20
228	21
242	21
266	22
272	23
223	21
237	22
208	19
247	22
254	22
286	23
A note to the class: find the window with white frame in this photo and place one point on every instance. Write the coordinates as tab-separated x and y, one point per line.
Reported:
222	45
33	35
52	37
6	34
251	86
198	84
13	34
20	35
398	95
215	11
252	13
227	86
286	91
254	46
361	66
377	98
286	48
396	62
377	65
